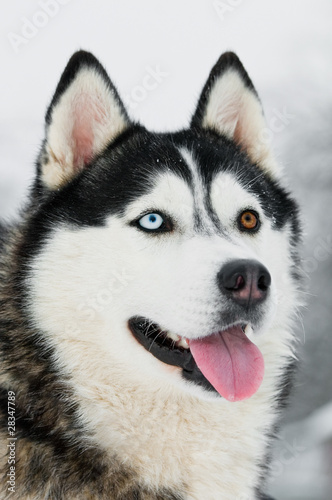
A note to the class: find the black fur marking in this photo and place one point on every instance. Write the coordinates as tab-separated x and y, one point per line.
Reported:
214	154
286	384
3	233
128	168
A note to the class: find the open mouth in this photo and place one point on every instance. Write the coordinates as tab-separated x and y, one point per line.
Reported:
168	348
226	362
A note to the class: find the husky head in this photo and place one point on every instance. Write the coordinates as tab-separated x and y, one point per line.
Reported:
167	258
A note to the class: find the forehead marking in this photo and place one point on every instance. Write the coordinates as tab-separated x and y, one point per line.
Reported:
199	193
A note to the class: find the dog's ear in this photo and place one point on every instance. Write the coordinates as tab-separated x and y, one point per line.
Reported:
85	115
229	105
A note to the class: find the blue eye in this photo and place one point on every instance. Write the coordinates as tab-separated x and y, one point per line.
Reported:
151	222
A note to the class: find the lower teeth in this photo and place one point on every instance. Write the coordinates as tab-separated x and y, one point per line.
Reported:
173	336
182	343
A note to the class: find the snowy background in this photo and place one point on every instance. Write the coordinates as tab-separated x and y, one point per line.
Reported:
286	48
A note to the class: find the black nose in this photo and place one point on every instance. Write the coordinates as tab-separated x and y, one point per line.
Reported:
245	281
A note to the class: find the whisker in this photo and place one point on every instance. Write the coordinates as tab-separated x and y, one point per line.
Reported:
154	340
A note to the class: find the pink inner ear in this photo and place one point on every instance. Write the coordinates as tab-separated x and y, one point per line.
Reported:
228	116
239	132
82	142
88	114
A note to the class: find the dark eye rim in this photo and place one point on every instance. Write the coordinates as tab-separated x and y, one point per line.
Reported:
166	227
245	229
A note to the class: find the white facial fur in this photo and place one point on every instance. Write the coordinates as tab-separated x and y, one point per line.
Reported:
86	283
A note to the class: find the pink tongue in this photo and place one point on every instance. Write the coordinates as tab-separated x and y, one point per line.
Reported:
230	362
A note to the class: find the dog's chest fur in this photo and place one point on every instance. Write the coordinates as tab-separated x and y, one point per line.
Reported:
207	450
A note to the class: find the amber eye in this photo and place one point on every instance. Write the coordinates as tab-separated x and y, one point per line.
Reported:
248	221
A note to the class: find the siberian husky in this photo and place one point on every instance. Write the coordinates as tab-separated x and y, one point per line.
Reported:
147	301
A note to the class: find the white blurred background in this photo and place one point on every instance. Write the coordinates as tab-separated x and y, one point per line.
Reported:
287	49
